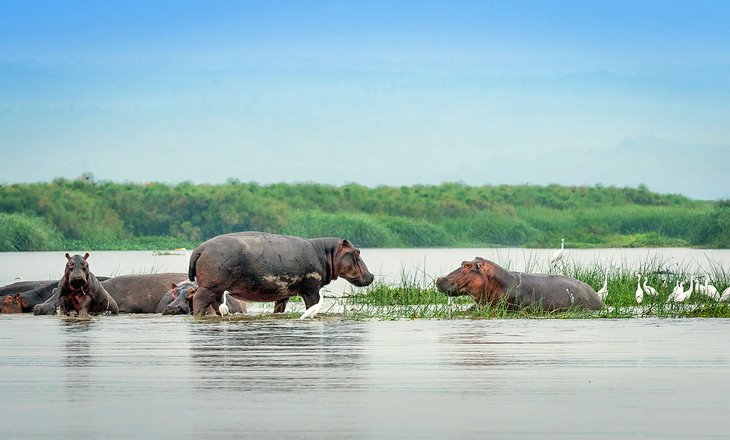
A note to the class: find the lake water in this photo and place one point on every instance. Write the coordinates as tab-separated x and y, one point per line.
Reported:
155	376
149	376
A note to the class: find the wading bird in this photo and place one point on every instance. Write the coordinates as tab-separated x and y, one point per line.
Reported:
648	289
710	290
639	293
603	293
725	295
676	292
558	255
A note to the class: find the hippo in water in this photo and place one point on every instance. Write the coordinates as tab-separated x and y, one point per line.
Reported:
78	291
489	283
24	286
24	301
179	301
141	293
257	266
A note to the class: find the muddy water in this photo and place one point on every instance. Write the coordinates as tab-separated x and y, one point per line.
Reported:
174	377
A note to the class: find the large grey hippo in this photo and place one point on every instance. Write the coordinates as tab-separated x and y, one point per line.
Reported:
489	283
23	286
257	266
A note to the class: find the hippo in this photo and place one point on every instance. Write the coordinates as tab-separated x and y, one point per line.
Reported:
78	291
12	304
489	283
23	286
179	301
24	301
263	267
140	293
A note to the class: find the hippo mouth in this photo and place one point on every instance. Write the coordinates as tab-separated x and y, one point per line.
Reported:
77	283
444	286
362	281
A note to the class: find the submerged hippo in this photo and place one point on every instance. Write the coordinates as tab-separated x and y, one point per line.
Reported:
489	283
24	301
24	286
78	291
140	293
256	266
179	301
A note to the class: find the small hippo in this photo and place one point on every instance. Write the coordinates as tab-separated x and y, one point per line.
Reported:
489	283
257	266
78	291
179	301
12	304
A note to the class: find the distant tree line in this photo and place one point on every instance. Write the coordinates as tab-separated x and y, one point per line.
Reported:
87	214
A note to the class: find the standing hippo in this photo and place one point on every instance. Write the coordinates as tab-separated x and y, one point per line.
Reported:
140	293
257	266
489	283
179	301
78	291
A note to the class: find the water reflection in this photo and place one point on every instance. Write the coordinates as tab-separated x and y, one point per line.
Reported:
278	355
78	358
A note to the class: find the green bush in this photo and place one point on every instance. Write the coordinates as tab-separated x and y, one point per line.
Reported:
20	232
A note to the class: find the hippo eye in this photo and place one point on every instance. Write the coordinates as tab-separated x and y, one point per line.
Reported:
467	266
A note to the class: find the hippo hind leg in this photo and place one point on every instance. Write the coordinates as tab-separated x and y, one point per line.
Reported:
203	298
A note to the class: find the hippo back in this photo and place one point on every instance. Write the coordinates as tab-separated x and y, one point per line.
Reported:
140	293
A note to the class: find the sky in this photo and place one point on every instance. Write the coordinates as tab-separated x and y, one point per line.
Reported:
617	93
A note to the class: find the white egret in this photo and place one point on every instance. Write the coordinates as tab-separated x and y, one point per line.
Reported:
312	311
725	295
558	255
684	296
648	289
711	290
603	293
676	292
223	308
639	293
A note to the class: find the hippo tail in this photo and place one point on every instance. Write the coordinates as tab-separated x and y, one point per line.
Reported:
193	260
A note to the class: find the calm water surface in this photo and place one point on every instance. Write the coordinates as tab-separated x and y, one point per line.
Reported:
175	377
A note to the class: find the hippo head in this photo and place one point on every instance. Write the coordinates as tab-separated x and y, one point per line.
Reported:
472	278
349	265
13	304
182	298
77	273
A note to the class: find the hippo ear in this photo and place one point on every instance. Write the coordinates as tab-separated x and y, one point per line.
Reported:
86	256
191	292
68	257
346	244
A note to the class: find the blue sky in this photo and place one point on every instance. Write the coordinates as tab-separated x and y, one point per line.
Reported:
394	93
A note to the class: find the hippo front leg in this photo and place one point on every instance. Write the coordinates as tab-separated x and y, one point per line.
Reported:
202	299
84	307
313	301
49	306
280	305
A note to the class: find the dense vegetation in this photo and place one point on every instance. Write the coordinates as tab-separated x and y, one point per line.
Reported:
88	214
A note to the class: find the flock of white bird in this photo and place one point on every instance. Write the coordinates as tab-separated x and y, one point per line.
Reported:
678	294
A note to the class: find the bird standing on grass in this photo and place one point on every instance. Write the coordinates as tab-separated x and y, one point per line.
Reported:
558	255
639	292
649	290
603	293
676	292
725	295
